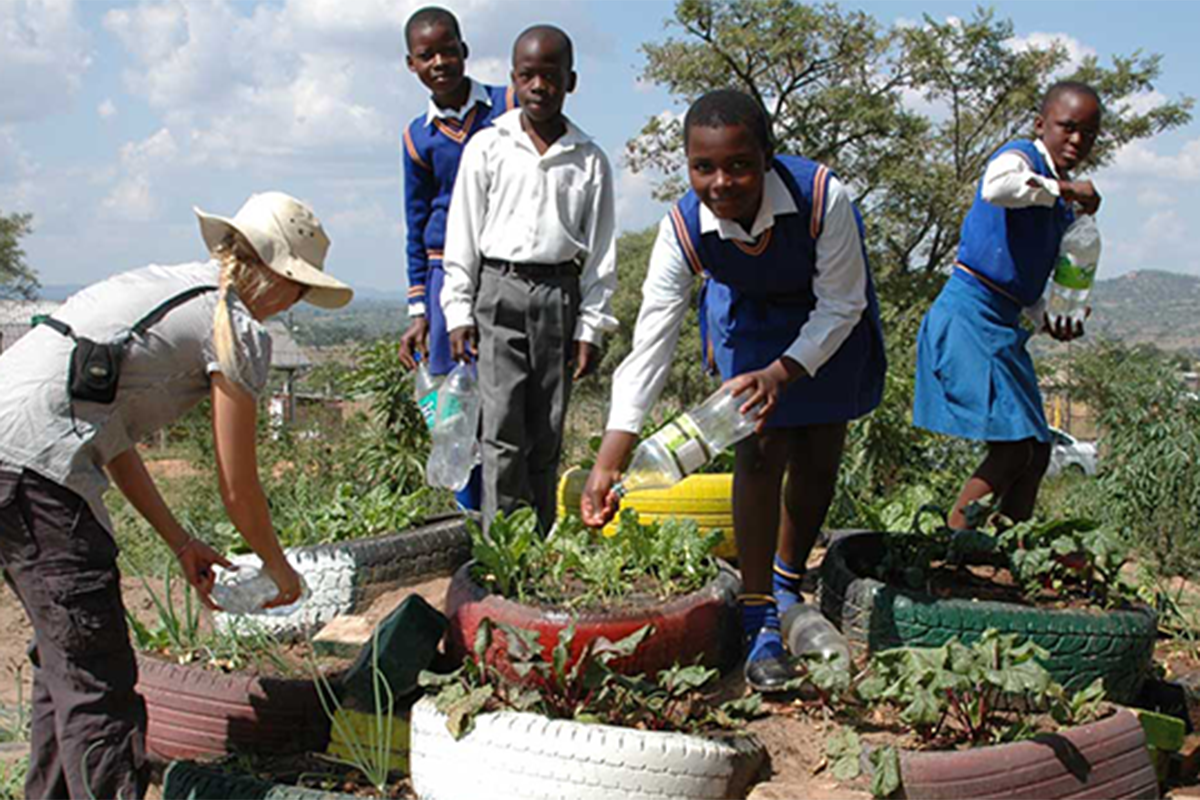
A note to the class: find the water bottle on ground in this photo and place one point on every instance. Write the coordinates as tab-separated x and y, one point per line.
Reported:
244	590
687	443
1074	271
455	449
425	389
808	632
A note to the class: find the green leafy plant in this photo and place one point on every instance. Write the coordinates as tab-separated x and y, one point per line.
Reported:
578	567
585	690
12	779
15	719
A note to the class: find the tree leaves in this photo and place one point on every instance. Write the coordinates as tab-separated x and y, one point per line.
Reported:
17	279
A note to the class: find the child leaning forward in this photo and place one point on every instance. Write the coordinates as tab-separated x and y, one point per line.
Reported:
530	271
975	379
794	329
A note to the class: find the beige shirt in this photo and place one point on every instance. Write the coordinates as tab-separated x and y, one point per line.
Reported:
513	204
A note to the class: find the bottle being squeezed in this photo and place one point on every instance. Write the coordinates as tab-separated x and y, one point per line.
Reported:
1074	272
687	443
244	590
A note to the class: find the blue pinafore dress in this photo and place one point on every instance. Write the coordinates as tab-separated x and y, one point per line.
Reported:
975	378
756	298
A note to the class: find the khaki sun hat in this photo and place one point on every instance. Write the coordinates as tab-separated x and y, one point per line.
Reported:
288	238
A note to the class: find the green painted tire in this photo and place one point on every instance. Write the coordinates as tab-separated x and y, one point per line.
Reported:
1084	645
186	780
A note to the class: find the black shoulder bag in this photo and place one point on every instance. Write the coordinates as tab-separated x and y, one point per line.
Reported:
95	368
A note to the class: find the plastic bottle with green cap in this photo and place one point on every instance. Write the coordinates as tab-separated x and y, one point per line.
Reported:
1074	271
687	443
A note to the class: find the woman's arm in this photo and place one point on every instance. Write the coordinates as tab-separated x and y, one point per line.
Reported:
234	420
196	558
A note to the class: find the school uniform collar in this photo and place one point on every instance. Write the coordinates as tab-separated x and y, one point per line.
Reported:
1041	148
509	124
478	94
776	202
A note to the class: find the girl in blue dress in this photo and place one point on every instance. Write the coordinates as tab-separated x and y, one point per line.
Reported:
793	326
975	378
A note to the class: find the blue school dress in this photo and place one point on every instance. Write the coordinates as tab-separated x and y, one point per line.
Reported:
756	298
432	151
975	378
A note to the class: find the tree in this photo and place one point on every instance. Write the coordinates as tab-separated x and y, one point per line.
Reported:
16	278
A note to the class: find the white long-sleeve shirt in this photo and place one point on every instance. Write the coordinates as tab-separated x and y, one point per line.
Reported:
840	288
513	204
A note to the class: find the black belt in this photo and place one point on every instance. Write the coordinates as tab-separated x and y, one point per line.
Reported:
526	269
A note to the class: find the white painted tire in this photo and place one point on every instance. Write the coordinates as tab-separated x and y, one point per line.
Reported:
329	575
514	756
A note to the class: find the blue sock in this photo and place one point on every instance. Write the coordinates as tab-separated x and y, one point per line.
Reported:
760	626
785	584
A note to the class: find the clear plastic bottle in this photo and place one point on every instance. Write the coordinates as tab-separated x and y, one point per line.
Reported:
687	443
1074	271
455	434
807	631
244	590
425	389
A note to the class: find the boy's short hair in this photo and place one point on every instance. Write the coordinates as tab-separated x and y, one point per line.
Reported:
1060	88
723	107
548	30
430	15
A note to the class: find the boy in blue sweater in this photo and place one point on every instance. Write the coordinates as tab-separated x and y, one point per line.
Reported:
975	378
433	143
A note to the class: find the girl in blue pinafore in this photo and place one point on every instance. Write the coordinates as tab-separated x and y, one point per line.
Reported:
792	322
975	378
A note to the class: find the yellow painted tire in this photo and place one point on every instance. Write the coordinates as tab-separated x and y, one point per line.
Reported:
707	499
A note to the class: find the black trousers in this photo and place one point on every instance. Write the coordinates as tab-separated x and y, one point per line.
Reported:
89	725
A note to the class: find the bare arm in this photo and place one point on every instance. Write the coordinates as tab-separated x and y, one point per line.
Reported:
234	422
196	558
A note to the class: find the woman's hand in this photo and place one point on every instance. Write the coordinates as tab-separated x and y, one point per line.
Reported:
288	581
760	390
197	559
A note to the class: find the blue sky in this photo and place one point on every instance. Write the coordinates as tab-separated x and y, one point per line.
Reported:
117	118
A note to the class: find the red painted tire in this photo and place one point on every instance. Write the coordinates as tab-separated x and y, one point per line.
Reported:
1105	759
702	625
197	714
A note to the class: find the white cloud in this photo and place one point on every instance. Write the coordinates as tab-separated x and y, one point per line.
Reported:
1076	50
1144	102
636	208
43	56
15	164
1137	159
107	109
133	197
1151	197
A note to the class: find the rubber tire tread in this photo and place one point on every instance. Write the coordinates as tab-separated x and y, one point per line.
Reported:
198	713
529	757
185	780
703	624
1106	760
1117	645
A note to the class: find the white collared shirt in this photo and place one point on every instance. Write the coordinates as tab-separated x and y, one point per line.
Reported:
478	94
1011	182
512	204
840	287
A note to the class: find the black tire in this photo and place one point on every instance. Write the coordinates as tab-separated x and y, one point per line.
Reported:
1084	645
185	780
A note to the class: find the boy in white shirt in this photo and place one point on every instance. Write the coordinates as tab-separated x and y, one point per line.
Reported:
530	262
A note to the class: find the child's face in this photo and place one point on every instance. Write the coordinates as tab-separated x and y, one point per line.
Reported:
1069	128
437	57
727	168
541	78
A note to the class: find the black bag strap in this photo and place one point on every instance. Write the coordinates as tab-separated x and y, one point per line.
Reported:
140	327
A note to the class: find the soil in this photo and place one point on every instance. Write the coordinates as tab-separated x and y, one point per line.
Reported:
313	772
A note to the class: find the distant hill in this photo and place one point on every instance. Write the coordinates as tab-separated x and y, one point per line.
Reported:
1149	306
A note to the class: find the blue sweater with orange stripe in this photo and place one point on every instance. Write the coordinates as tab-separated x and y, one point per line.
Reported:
431	152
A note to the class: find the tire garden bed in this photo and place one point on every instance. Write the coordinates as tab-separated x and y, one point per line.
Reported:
196	712
1115	645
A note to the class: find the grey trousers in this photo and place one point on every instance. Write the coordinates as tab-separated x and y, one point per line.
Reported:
62	565
526	351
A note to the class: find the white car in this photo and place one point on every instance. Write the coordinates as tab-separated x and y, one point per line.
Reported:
1068	454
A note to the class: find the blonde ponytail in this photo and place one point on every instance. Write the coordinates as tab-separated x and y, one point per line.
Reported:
242	274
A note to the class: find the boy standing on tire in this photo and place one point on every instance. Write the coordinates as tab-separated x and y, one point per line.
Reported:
433	144
530	266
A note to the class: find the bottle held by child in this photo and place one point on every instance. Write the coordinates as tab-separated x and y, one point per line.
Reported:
808	632
1074	272
455	447
687	443
244	590
425	392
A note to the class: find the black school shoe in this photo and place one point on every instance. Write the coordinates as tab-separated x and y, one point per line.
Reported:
769	674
